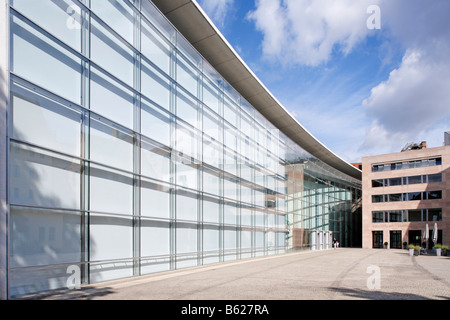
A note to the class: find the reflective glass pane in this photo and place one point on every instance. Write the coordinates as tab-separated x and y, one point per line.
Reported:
186	205
155	86
155	161
44	122
42	61
110	53
155	47
188	108
111	238
110	191
65	22
155	246
42	237
155	123
41	178
211	209
118	15
111	146
110	99
155	199
186	239
187	76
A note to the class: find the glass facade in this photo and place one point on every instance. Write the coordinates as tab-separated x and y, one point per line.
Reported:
129	154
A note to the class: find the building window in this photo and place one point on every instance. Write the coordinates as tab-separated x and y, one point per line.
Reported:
377	238
377	216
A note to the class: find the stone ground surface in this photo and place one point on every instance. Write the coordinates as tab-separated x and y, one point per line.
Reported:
335	274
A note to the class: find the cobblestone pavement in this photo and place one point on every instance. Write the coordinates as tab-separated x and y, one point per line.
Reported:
335	274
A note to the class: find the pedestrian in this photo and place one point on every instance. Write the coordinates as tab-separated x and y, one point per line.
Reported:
334	243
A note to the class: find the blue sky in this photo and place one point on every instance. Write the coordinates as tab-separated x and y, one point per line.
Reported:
359	91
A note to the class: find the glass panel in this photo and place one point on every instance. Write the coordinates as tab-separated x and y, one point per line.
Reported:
395	181
211	96
155	123
44	122
110	191
187	174
158	20
39	59
110	237
41	178
155	238
211	209
110	99
246	216
395	197
187	108
378	198
230	213
377	183
155	86
395	216
211	182
118	15
187	76
187	141
229	243
210	243
43	237
414	179
110	53
155	199
186	205
212	152
432	195
65	22
432	178
155	47
186	235
414	196
434	214
111	146
155	161
414	215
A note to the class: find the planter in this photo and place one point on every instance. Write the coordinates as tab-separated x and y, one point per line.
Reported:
416	252
411	252
438	252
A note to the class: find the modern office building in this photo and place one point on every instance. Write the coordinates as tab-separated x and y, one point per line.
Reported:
135	140
404	192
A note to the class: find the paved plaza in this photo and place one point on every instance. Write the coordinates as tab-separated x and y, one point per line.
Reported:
335	274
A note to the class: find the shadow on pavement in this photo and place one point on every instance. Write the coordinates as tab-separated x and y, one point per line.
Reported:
377	295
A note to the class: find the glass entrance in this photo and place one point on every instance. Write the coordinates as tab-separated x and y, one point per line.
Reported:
395	237
377	237
415	237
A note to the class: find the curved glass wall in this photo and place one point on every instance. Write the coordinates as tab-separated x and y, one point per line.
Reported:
129	154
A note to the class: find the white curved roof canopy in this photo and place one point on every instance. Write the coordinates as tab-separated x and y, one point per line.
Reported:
189	18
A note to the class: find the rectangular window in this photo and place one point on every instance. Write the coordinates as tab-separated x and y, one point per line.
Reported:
433	195
377	216
155	161
434	214
156	123
65	22
118	14
413	196
377	183
111	53
414	215
155	241
155	47
395	181
395	216
110	145
187	75
111	99
42	178
155	85
434	178
378	198
41	60
41	121
414	179
155	199
110	191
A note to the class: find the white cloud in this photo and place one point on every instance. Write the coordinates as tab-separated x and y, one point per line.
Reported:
217	9
414	102
307	32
